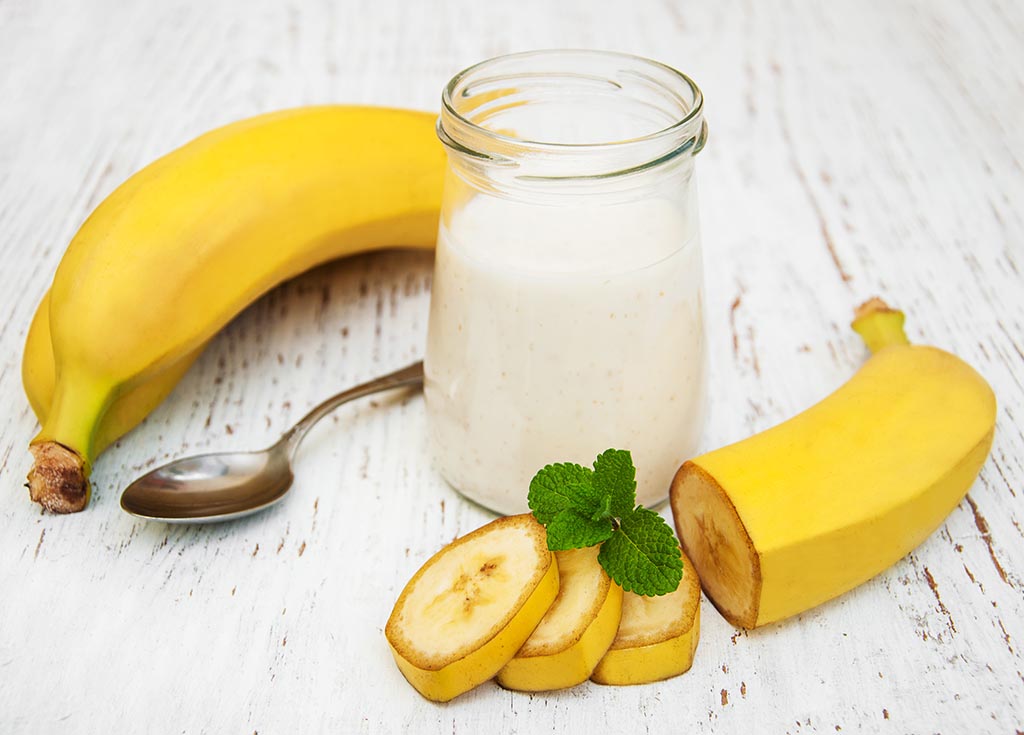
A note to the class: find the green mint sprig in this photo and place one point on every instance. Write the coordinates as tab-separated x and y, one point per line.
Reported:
583	507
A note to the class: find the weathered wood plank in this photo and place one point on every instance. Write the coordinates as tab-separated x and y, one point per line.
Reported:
856	148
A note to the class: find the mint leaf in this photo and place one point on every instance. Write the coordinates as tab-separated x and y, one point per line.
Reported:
643	556
582	507
571	529
558	487
615	476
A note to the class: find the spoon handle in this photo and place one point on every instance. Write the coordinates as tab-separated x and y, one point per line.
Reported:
411	375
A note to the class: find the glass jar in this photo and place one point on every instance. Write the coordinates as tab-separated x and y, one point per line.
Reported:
566	314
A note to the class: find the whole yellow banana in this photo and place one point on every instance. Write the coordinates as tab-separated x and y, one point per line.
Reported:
800	513
126	411
182	246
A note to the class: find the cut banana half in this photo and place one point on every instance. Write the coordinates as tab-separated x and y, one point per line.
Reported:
657	635
798	514
467	611
574	634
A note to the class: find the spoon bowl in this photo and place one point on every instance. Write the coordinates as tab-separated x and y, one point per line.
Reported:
210	488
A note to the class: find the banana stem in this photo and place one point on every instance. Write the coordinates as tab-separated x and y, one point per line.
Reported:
879	325
57	480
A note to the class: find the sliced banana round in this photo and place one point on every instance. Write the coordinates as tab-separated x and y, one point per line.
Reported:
574	634
467	611
657	635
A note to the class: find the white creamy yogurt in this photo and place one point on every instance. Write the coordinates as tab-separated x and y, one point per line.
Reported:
557	332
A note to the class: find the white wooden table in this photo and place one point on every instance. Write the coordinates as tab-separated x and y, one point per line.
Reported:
857	148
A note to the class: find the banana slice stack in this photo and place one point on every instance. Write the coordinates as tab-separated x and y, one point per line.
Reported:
496	602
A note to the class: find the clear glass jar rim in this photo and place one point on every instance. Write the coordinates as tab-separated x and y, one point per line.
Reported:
453	126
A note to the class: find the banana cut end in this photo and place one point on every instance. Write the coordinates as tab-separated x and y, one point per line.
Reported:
715	538
57	479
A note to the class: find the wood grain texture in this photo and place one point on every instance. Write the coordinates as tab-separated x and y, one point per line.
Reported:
857	148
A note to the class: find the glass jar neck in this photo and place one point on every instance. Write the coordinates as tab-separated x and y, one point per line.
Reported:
554	119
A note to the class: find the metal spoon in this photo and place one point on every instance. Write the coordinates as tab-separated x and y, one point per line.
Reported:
221	487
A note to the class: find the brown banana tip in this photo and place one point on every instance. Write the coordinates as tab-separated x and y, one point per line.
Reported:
57	479
874	305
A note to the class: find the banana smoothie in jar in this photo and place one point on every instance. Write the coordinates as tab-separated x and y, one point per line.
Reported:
566	314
